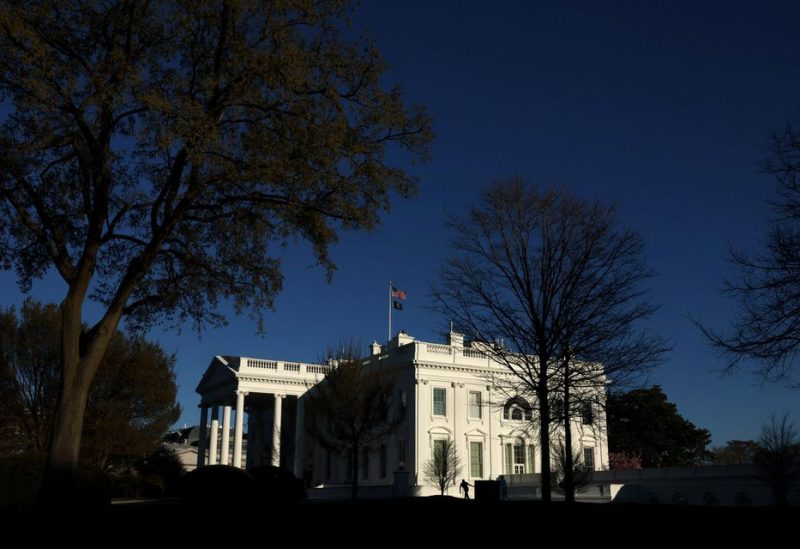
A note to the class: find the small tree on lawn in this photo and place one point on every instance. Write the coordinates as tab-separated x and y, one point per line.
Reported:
444	466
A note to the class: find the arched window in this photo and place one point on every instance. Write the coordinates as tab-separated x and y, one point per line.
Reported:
710	499
742	499
517	409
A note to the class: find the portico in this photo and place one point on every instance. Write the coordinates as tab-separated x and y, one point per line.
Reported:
268	392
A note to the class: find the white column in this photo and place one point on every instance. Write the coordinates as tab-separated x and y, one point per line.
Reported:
299	436
226	434
201	442
276	432
212	445
237	430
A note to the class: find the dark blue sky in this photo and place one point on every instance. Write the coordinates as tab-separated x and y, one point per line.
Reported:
663	108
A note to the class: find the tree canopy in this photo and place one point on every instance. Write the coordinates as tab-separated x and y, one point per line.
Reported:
131	402
156	155
643	423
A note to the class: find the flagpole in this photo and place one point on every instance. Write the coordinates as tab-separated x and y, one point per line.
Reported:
390	313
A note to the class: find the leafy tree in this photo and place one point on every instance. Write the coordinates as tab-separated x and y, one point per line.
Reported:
619	461
778	457
766	290
155	154
642	422
353	407
558	282
443	468
735	452
131	402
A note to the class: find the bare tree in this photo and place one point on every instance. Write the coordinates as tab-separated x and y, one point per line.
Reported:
354	407
581	473
778	457
557	282
444	466
766	290
156	153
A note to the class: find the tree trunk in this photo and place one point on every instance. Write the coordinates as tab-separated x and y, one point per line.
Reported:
569	465
81	355
544	439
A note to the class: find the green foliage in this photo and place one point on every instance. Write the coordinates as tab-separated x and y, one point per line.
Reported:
644	423
162	148
131	402
165	465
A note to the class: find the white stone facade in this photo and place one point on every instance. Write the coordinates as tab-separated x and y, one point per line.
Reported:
448	390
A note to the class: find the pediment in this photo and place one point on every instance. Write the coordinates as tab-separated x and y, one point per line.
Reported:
221	370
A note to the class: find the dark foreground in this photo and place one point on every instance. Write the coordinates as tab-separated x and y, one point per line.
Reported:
421	522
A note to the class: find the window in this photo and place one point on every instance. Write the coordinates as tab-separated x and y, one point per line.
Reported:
587	416
517	409
588	458
476	459
384	461
439	402
365	463
475	405
557	409
509	456
531	455
401	453
348	467
519	458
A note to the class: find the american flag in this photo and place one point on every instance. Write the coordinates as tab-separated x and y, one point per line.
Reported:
399	294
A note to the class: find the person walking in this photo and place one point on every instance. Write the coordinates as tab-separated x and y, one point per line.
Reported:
464	486
501	480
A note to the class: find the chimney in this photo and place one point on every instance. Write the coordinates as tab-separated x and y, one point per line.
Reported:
455	339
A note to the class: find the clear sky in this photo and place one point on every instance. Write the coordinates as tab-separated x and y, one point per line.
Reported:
664	108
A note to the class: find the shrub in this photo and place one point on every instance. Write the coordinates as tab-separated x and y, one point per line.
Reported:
217	486
277	486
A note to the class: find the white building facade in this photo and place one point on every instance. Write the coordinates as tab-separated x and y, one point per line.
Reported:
450	390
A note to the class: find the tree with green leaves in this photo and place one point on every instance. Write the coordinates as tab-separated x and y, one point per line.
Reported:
155	155
353	407
643	423
443	468
562	286
131	403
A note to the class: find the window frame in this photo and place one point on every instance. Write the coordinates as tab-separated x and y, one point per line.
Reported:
443	392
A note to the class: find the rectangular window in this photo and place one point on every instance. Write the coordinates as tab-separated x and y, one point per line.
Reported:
588	458
509	464
475	404
531	455
348	466
439	402
401	453
587	417
476	459
365	463
438	448
384	461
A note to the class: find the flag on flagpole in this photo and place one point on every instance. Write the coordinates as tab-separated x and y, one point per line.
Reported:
398	294
397	305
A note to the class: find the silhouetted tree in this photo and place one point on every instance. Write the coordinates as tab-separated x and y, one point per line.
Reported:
131	402
354	407
644	423
155	154
443	468
766	290
778	457
735	452
560	284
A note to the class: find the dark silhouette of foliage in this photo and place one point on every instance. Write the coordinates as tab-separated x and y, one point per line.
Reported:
165	465
778	457
157	154
766	290
444	467
644	423
354	407
277	487
223	486
735	452
131	403
556	281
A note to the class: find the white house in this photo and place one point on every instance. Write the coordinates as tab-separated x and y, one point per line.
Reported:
448	390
